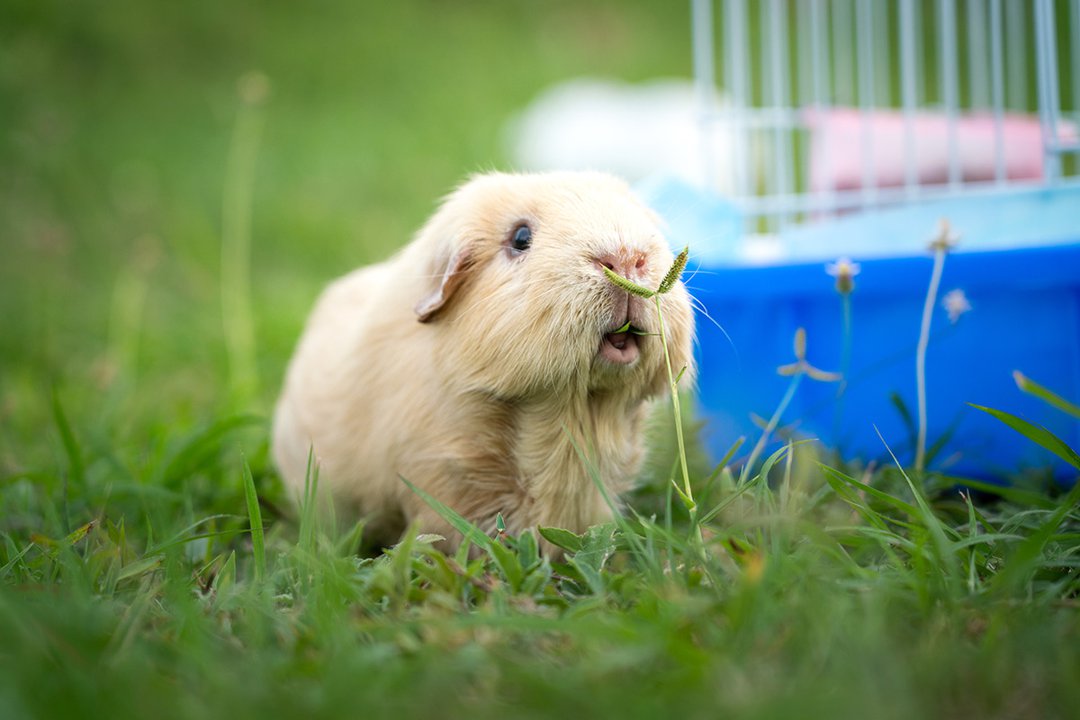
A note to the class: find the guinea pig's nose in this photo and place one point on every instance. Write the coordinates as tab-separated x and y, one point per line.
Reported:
628	263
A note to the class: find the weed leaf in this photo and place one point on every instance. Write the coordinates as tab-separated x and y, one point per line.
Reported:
509	563
561	538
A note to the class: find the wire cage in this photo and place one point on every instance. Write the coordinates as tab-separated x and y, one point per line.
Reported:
834	106
833	128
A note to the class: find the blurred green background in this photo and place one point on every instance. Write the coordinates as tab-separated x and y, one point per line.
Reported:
117	120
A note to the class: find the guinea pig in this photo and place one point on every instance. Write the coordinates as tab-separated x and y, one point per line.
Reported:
484	360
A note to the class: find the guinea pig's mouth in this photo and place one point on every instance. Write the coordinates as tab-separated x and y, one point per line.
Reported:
621	347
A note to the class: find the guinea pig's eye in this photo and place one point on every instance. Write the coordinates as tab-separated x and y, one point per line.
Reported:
520	239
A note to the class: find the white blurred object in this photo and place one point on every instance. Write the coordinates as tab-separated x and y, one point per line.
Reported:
631	130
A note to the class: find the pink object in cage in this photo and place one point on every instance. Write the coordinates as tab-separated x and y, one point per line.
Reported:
840	138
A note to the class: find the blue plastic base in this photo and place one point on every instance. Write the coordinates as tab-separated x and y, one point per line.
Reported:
1025	316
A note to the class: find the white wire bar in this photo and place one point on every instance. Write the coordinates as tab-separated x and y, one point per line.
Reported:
704	83
997	90
864	44
836	106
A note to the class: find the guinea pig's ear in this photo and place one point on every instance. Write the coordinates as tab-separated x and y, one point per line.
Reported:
453	276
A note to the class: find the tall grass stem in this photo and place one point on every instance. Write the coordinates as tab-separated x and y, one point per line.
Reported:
237	314
920	355
687	490
789	394
126	312
675	405
845	363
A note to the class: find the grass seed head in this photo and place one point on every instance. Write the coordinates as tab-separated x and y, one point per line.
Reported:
627	285
666	284
676	270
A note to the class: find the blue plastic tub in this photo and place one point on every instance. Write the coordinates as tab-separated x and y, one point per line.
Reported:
1025	316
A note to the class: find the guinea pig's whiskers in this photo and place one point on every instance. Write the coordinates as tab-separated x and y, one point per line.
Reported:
694	273
546	290
549	292
699	270
697	304
695	301
477	301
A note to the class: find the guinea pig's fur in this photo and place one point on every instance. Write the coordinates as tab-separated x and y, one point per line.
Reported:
479	372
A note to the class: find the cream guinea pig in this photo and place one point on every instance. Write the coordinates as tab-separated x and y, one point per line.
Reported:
473	361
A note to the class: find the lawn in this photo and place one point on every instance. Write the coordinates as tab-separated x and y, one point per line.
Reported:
179	182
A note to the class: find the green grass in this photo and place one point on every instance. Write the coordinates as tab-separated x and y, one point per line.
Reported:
149	562
818	593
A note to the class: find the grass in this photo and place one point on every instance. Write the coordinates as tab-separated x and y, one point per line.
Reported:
819	592
149	563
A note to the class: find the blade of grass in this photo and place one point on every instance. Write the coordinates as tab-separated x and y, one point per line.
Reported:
238	317
837	481
1021	565
15	559
76	469
1045	394
255	522
226	577
905	416
598	483
973	536
1039	435
72	451
199	447
907	508
140	567
759	447
1007	492
946	550
719	507
309	511
724	461
181	537
456	521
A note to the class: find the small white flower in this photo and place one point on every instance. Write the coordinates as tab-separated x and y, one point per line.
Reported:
946	238
844	270
956	304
